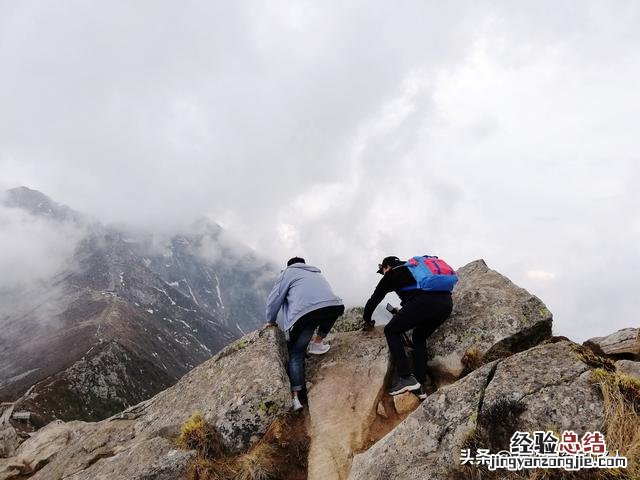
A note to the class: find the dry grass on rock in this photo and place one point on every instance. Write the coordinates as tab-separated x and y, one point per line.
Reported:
280	454
592	359
621	398
621	395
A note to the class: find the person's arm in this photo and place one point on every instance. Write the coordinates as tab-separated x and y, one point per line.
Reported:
383	287
276	298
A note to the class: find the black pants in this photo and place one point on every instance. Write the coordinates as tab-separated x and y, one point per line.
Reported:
322	319
423	314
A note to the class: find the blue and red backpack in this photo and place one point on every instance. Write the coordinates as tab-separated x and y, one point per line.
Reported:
431	273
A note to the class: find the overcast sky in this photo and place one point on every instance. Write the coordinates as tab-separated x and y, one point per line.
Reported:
347	131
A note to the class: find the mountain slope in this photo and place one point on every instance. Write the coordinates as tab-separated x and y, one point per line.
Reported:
122	321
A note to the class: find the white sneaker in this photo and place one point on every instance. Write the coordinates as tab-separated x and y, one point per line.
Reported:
296	405
318	348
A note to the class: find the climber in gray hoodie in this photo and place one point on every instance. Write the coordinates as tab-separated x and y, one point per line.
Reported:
307	303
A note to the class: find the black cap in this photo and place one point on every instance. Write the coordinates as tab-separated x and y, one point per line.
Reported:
295	260
389	262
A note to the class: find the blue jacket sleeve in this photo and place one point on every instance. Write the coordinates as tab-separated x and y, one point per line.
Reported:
276	298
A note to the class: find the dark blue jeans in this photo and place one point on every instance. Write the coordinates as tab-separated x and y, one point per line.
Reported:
300	336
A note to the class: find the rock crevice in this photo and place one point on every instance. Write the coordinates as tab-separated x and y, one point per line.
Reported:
345	388
490	375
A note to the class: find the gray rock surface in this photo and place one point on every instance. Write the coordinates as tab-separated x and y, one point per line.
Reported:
9	469
350	321
9	441
554	385
37	451
154	458
624	343
628	367
545	387
492	318
9	438
240	391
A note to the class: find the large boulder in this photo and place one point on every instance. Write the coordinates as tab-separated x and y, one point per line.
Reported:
628	367
548	385
152	458
553	384
492	318
623	344
39	449
345	387
240	391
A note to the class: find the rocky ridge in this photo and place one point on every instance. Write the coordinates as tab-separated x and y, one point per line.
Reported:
623	344
492	318
238	399
355	430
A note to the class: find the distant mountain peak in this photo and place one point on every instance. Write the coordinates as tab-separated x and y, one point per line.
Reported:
131	312
37	203
27	193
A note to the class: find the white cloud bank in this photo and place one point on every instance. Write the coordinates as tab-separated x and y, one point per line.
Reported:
345	133
33	249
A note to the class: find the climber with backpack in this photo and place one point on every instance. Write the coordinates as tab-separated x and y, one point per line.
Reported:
424	285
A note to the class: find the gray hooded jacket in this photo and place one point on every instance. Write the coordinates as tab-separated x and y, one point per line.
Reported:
299	289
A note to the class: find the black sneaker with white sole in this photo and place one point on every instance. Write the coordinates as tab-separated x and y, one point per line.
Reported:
407	384
421	393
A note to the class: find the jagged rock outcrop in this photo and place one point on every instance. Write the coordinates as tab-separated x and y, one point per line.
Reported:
623	344
345	387
356	431
492	318
240	391
548	385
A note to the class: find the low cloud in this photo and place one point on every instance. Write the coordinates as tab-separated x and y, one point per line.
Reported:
344	133
35	252
34	249
540	275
